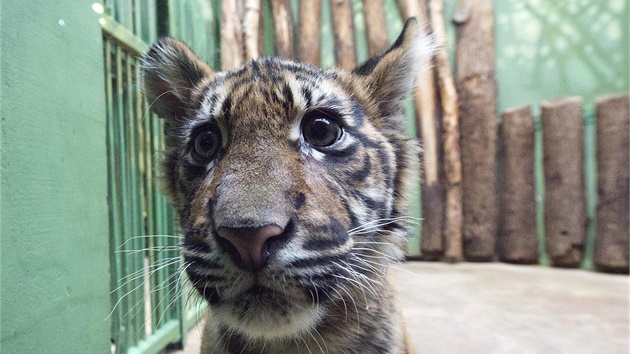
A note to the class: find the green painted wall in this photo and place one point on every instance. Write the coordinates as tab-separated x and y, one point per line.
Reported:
547	49
53	180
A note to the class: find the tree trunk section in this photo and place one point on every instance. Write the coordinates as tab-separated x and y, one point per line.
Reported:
565	203
251	28
450	138
518	240
343	26
283	27
613	156
310	31
476	86
231	36
375	26
427	123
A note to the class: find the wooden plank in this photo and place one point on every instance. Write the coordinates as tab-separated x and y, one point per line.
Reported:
518	240
477	92
231	36
613	156
565	203
453	247
310	31
425	100
283	27
251	28
343	26
375	26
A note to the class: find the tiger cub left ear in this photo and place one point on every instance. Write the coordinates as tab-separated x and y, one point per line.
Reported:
170	74
390	76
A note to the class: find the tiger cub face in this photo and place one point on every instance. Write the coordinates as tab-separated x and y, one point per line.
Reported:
290	184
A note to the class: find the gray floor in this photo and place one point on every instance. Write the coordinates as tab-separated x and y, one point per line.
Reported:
500	308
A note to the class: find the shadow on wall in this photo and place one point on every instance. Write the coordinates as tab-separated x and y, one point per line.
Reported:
550	49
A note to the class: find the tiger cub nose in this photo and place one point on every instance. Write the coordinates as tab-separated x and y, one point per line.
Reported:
251	243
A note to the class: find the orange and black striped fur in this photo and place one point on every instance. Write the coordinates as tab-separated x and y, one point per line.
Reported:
290	183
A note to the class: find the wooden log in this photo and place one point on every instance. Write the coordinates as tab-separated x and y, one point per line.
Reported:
375	26
283	27
231	36
343	26
613	156
450	137
311	31
518	240
251	28
432	243
565	203
477	94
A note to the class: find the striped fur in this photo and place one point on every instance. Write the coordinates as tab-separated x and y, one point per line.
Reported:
324	285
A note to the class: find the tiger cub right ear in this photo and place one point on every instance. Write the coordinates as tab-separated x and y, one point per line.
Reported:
170	73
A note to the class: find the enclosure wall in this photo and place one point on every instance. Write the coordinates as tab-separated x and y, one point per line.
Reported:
54	218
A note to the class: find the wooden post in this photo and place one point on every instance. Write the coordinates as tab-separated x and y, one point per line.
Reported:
283	26
231	36
343	26
518	240
565	202
432	244
251	28
310	31
613	156
450	137
375	26
476	87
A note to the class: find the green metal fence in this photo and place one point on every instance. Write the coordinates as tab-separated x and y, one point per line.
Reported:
150	302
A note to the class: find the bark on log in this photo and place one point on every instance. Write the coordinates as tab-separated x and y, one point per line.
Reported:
613	156
283	26
450	137
476	87
310	31
251	28
343	26
518	240
375	26
565	203
432	244
231	36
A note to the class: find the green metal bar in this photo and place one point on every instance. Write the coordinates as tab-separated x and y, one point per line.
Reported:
137	18
123	35
166	334
115	221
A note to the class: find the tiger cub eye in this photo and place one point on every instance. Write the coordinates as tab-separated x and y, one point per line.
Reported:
207	143
321	131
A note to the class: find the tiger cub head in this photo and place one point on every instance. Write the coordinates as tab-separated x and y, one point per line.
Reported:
289	180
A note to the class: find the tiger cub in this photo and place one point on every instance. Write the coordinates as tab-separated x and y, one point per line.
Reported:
290	183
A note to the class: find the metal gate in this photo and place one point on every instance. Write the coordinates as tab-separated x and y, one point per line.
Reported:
152	308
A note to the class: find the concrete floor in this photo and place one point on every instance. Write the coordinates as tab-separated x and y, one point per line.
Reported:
500	308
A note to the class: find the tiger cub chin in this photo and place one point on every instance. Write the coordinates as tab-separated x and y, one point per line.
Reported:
290	183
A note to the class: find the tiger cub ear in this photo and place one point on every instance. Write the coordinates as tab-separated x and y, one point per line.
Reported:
390	76
170	73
